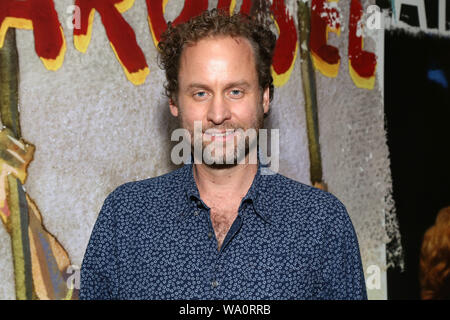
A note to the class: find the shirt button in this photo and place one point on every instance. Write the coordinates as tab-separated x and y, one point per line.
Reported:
210	234
214	283
196	213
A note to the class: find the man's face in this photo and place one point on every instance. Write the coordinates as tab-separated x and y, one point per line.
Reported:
218	85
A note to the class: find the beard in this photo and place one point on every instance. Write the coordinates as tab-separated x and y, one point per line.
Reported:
223	153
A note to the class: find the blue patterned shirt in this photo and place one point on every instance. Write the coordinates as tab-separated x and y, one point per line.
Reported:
153	239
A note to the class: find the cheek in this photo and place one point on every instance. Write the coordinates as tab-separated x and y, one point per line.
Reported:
190	111
189	115
248	113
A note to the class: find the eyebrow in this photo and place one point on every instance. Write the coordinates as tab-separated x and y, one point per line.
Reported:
241	83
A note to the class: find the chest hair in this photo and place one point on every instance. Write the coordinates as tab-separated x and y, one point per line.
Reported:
222	219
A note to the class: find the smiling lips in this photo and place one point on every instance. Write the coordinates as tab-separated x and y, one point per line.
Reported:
220	135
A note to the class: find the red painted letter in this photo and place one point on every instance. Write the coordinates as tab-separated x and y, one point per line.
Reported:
39	15
362	64
324	18
286	46
120	34
227	5
158	23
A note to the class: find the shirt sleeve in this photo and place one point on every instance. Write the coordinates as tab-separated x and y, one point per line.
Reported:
343	275
97	280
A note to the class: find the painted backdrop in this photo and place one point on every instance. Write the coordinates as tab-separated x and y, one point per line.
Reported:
91	115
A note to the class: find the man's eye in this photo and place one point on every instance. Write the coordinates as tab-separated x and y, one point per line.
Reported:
236	93
200	94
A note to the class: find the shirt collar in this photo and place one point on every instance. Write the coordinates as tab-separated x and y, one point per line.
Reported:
253	194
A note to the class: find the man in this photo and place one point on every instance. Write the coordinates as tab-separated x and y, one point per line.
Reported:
212	230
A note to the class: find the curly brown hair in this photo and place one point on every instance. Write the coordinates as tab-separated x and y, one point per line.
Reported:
434	272
211	23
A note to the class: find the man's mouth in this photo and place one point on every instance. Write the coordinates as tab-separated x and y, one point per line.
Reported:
220	135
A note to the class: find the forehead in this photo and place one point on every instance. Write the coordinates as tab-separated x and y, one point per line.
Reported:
219	58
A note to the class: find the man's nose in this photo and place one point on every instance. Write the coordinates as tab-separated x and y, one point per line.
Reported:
219	110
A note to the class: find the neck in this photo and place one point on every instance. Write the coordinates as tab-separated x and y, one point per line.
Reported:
224	182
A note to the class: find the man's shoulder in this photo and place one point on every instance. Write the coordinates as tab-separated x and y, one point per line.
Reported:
163	185
154	198
296	200
290	190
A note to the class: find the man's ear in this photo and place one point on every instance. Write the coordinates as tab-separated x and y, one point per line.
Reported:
266	99
173	107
